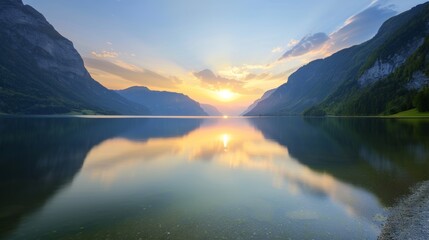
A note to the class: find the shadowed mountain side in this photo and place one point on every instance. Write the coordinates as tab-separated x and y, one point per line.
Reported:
362	79
266	95
157	128
44	154
358	151
299	137
163	103
42	73
211	110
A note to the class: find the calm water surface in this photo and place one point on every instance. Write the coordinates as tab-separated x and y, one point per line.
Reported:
261	178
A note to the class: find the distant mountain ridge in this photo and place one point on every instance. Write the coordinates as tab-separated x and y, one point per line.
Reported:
255	103
211	110
42	73
380	76
162	102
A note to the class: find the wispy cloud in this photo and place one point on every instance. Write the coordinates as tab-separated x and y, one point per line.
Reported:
249	84
252	77
215	82
105	54
307	44
132	73
277	50
356	29
241	72
361	26
266	76
292	43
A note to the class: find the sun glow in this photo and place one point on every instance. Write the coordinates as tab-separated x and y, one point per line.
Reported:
225	140
225	95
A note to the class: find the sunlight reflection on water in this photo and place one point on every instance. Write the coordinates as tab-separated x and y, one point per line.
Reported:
198	178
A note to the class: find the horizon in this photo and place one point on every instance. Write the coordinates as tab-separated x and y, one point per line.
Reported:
221	54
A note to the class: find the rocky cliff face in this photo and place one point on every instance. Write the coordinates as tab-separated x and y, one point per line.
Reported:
418	81
42	73
57	53
384	67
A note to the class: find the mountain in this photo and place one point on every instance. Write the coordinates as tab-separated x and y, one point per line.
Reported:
254	104
390	78
211	110
163	103
380	76
42	73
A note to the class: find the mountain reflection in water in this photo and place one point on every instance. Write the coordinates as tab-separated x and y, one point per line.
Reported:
84	178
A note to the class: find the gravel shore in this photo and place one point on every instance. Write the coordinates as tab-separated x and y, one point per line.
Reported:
409	219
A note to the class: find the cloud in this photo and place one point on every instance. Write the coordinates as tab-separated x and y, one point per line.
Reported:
132	73
283	75
215	82
355	30
257	67
277	49
265	76
105	54
361	26
292	43
307	44
252	76
249	84
241	72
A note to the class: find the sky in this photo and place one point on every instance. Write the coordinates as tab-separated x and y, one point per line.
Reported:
220	52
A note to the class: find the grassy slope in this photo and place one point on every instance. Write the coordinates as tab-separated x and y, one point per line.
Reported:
411	113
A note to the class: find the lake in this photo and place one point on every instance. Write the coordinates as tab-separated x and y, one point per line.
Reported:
205	178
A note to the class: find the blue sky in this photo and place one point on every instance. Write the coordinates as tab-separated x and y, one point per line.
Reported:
165	44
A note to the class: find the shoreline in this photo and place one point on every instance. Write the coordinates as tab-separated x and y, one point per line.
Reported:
185	116
409	218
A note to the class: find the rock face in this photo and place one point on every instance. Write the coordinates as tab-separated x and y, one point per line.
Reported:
163	103
384	67
338	84
42	73
418	81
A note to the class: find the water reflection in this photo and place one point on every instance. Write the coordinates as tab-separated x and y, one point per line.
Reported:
260	178
374	154
39	156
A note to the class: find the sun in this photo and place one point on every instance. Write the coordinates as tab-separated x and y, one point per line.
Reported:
225	95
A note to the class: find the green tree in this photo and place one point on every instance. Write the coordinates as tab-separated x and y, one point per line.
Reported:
421	101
